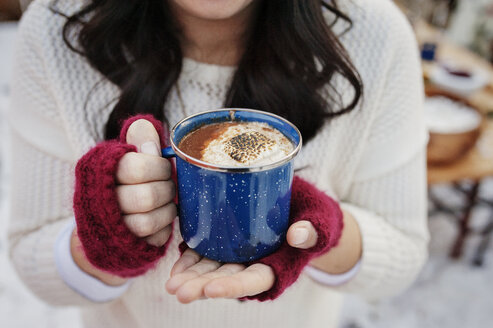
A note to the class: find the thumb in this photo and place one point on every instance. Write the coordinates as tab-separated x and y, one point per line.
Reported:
302	234
144	136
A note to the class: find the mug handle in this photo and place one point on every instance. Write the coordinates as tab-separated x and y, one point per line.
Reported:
168	152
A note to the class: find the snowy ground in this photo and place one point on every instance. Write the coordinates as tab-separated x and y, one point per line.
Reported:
451	294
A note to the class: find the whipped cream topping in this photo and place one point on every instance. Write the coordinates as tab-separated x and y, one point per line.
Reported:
247	144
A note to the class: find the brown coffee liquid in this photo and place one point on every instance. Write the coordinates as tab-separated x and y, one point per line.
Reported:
194	143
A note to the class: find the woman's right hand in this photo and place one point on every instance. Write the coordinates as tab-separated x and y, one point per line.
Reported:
146	191
145	195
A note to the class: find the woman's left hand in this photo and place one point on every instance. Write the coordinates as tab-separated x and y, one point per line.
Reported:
194	277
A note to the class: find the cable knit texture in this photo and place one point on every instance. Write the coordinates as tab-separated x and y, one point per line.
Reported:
372	161
107	242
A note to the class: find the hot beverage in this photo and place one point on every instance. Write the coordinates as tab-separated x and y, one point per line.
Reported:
237	144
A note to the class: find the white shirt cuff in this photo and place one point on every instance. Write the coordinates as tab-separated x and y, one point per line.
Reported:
80	281
332	280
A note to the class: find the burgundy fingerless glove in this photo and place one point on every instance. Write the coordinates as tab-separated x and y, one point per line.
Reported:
310	204
107	242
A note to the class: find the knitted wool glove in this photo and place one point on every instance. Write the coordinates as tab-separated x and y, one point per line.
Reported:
310	204
107	242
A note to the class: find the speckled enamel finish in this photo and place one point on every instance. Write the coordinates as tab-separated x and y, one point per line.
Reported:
233	215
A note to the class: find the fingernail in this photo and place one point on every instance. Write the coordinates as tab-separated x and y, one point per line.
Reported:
300	236
149	148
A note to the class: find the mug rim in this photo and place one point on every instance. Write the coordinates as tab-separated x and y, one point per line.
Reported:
235	169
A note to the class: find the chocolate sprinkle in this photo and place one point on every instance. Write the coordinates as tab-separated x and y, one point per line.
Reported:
248	146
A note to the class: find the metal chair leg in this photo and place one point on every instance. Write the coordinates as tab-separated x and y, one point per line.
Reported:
456	251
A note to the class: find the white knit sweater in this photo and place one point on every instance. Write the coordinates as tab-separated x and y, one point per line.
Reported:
372	160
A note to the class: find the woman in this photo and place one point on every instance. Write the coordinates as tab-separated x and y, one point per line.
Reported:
84	66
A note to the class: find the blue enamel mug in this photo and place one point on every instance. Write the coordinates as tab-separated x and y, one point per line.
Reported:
233	214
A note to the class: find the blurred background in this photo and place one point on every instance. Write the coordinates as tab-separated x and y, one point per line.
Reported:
454	290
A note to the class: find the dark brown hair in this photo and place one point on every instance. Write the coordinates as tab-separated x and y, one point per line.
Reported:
291	55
